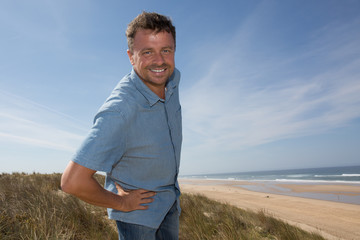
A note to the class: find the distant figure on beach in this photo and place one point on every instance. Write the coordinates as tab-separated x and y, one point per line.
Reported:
136	139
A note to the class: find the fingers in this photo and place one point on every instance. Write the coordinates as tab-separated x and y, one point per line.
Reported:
147	200
134	199
144	196
147	194
142	207
143	192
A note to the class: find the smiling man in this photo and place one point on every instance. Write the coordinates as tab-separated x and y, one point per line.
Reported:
136	139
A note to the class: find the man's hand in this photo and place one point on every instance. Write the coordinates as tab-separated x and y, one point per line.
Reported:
79	181
134	199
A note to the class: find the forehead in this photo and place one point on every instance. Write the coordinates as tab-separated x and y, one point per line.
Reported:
147	38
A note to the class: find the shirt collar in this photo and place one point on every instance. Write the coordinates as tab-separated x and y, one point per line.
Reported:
150	96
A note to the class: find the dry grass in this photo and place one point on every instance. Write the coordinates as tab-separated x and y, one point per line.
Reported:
205	219
32	206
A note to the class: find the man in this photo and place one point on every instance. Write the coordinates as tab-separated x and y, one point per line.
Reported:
136	139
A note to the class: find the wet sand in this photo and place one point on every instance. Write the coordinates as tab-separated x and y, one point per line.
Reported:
331	219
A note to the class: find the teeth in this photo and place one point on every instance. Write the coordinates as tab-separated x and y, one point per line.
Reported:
157	70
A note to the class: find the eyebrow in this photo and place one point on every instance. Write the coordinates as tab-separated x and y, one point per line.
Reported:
147	49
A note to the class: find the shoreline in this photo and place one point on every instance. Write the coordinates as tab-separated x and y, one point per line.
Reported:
331	219
345	192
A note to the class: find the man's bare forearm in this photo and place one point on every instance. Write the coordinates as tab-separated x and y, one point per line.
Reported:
80	182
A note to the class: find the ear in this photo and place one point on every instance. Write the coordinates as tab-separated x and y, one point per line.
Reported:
131	57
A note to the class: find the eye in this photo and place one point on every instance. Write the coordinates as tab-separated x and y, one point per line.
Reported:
166	51
146	53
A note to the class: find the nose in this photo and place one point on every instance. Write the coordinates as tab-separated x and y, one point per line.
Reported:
158	59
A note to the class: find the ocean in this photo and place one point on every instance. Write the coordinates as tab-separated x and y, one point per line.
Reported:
311	175
276	181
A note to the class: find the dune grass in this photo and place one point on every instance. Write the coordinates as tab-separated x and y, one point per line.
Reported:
32	206
205	219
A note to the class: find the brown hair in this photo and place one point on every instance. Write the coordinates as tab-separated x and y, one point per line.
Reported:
153	21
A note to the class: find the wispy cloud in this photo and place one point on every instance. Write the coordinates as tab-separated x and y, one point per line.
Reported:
246	101
23	121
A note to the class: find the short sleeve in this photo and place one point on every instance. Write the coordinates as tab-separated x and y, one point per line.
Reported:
105	144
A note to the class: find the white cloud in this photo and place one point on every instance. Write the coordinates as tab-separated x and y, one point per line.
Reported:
309	91
25	122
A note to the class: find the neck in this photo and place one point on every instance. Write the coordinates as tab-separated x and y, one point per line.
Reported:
158	90
160	93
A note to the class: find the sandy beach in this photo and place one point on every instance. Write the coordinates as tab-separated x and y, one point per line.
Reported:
331	219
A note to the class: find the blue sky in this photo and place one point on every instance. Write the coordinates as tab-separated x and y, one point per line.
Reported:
265	84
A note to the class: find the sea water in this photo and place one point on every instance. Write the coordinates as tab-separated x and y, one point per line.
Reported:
315	175
271	181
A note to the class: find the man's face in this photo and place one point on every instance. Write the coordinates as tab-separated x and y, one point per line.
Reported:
153	58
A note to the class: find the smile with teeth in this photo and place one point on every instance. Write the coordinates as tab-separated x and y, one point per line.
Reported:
157	70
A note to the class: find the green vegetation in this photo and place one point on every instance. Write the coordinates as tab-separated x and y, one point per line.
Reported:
32	206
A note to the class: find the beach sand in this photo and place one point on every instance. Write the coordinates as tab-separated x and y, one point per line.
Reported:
333	220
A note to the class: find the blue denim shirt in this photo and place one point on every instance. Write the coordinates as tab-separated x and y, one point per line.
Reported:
136	139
